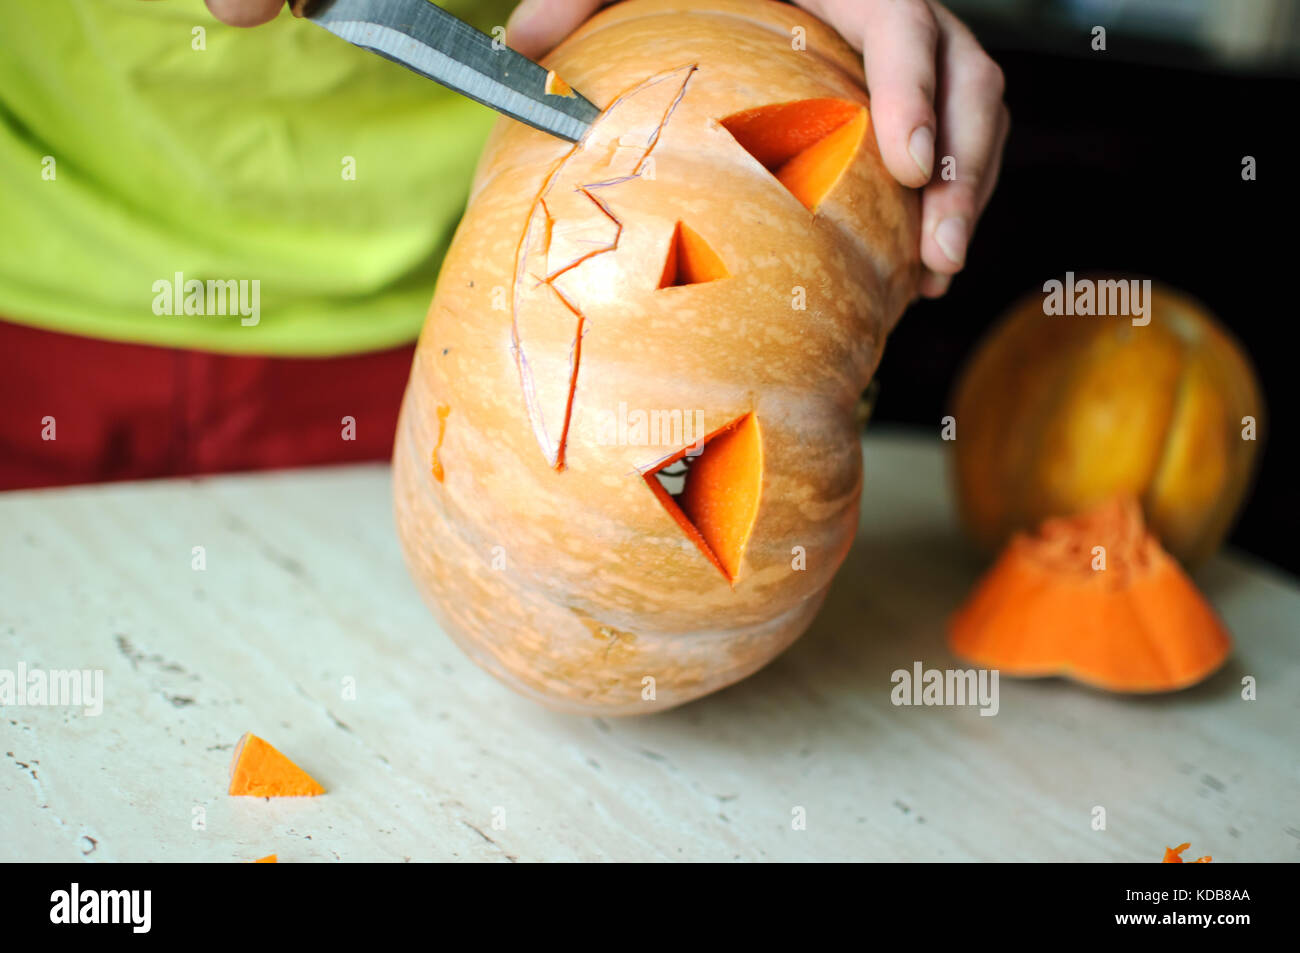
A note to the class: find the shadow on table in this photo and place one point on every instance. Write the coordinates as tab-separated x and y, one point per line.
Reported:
887	609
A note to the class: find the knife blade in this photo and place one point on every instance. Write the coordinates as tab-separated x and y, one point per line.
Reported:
430	41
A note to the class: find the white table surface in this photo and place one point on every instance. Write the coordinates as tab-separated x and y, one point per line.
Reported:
305	586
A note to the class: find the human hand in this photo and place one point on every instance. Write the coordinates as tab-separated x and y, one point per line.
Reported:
934	93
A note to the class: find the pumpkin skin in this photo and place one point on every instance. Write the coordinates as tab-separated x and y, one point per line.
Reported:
541	544
1056	414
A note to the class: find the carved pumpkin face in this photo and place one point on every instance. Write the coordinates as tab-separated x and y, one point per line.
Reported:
627	466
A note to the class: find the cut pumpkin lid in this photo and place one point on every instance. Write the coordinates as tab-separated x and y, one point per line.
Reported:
259	770
573	222
1096	599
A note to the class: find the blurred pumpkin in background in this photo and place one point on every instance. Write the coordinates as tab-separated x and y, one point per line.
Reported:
1056	413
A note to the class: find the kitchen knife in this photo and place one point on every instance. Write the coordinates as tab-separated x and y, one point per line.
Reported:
430	41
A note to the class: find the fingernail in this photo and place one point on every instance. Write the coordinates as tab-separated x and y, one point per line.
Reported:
951	238
921	148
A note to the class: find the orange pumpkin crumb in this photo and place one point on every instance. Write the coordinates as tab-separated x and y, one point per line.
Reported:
1173	855
259	770
1094	598
556	86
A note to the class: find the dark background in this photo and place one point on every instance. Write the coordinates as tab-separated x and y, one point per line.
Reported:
1129	160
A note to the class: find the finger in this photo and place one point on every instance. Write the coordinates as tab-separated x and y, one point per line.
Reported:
245	12
898	50
972	127
898	40
934	285
537	26
992	174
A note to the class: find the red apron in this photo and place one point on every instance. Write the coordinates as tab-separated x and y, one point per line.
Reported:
120	411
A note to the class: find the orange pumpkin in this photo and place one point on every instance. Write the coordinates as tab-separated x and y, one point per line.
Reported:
627	465
1055	414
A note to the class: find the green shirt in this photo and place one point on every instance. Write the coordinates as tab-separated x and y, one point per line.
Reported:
142	141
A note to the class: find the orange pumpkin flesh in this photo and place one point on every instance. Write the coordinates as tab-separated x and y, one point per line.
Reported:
659	267
690	260
776	134
719	499
806	144
812	173
435	466
722	490
1056	414
1136	625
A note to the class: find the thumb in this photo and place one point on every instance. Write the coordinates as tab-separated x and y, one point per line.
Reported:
537	26
245	12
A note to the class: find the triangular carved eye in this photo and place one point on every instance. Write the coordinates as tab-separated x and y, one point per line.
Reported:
690	260
806	144
713	494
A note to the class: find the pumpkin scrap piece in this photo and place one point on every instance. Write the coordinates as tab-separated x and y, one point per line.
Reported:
1093	598
259	770
1173	856
555	86
268	859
